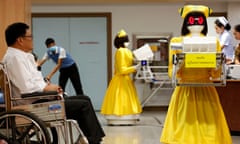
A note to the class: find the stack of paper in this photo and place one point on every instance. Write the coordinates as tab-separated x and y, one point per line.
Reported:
143	53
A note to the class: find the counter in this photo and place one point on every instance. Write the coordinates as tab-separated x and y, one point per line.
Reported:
230	100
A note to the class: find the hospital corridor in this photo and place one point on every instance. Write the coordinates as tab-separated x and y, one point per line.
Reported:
146	131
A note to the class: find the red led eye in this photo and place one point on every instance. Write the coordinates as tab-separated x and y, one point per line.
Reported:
200	20
191	20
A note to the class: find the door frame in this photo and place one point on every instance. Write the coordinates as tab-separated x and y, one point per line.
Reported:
108	17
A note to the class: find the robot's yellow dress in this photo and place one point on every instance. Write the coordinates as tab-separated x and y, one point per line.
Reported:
121	96
195	115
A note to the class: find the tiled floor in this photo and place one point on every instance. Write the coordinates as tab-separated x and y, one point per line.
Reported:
147	131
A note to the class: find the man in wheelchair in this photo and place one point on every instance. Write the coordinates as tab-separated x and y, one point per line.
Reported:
25	78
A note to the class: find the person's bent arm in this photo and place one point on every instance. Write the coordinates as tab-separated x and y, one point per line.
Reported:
55	69
41	62
52	87
222	47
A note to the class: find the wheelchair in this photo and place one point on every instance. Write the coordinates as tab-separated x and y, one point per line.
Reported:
39	123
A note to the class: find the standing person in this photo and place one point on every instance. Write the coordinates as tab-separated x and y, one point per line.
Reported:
195	114
236	33
64	63
121	104
223	27
25	78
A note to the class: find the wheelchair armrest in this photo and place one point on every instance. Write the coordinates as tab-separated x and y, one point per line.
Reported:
34	94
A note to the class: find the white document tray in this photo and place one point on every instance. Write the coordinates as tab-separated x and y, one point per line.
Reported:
199	44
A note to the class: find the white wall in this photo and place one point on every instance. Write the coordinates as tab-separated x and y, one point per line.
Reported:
160	17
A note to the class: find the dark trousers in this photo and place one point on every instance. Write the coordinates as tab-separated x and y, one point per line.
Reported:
72	73
80	108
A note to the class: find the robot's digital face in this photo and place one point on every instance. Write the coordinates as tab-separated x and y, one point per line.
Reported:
195	20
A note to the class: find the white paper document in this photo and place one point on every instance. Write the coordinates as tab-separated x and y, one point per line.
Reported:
143	53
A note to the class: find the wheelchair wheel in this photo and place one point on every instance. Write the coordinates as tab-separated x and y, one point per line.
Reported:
21	127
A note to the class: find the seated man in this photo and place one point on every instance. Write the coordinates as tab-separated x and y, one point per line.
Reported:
25	78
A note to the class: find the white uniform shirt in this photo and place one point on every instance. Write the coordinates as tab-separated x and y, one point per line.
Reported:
226	40
23	73
61	51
